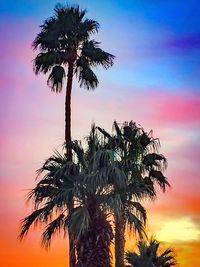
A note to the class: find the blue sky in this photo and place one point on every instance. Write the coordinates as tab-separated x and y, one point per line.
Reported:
155	81
152	40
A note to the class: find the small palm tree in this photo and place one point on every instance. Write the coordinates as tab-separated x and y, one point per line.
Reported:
136	168
66	49
149	255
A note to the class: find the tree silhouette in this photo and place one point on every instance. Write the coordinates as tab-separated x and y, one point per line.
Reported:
66	49
136	169
148	255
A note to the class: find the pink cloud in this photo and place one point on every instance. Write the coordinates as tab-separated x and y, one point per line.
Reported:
189	151
178	108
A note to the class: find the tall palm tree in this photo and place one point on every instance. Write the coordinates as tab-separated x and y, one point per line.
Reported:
66	49
148	254
135	154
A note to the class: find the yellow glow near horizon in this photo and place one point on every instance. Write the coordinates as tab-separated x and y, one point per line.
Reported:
183	230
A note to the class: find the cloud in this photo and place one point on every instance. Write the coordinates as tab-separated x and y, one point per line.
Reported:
184	43
175	107
179	230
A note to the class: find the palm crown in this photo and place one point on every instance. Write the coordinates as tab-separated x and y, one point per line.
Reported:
65	39
149	255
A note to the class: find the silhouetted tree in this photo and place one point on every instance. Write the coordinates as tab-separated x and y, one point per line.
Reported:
148	255
60	181
66	49
135	170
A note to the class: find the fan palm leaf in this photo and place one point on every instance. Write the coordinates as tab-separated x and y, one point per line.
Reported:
148	255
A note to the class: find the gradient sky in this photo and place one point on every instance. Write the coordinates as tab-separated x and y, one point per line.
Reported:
155	81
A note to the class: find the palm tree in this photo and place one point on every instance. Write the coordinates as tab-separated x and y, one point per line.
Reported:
134	171
88	181
67	50
149	255
105	173
60	181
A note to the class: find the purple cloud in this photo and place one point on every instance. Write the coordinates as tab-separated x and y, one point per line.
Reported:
186	43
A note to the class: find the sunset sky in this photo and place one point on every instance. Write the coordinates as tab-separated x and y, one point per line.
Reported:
155	82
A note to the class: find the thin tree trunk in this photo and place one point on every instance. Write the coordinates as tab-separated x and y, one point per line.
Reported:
68	110
119	240
72	253
72	256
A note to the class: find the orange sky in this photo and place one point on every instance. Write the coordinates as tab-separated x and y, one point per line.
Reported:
155	82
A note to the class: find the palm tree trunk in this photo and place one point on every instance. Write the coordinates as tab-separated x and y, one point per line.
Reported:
119	240
72	256
93	247
68	110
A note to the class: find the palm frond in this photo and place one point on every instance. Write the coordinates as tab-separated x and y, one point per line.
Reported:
148	255
79	152
117	129
159	178
113	203
47	39
95	55
26	223
42	192
69	10
87	27
86	76
155	160
56	77
104	132
132	258
137	209
45	61
135	224
79	222
51	229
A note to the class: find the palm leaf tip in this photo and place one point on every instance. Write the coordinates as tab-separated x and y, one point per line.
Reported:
74	10
96	55
52	228
135	224
160	179
88	79
25	226
56	77
27	222
89	26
